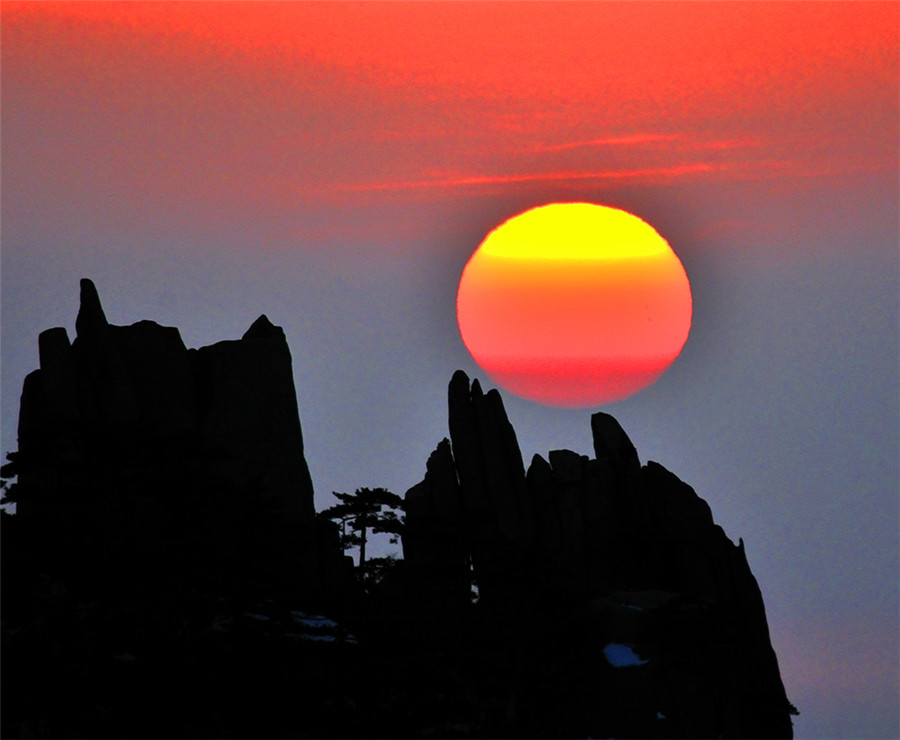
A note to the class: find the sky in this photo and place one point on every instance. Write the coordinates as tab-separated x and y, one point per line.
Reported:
334	166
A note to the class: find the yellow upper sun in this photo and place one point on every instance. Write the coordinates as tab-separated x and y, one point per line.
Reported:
575	231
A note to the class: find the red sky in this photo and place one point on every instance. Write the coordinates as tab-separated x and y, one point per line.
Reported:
293	105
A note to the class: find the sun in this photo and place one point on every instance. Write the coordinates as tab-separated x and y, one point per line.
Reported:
574	304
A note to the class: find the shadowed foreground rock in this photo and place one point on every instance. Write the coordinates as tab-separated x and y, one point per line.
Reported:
166	576
134	449
622	609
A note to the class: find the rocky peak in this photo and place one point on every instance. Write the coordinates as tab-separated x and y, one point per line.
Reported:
612	444
584	597
626	560
262	328
90	319
134	402
489	463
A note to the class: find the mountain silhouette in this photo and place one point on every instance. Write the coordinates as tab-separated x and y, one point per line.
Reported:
166	574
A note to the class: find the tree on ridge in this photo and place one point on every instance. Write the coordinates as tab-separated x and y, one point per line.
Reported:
365	509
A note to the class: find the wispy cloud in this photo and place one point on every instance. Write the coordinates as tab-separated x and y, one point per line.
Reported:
611	141
439	183
442	182
724	144
675	142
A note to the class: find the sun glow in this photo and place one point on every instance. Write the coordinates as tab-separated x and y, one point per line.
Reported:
574	304
570	231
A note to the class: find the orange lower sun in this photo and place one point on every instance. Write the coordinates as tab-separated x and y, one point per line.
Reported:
574	304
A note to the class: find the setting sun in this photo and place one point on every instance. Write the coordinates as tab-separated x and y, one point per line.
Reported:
574	304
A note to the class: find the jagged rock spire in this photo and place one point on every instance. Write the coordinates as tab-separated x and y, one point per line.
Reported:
262	328
90	317
491	473
612	443
632	549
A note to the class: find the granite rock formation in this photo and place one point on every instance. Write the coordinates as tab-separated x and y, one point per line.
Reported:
166	575
582	561
125	430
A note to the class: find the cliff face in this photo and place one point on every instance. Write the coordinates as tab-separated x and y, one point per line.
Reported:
160	571
126	430
611	574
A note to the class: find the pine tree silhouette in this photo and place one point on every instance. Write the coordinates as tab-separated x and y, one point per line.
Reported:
367	508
